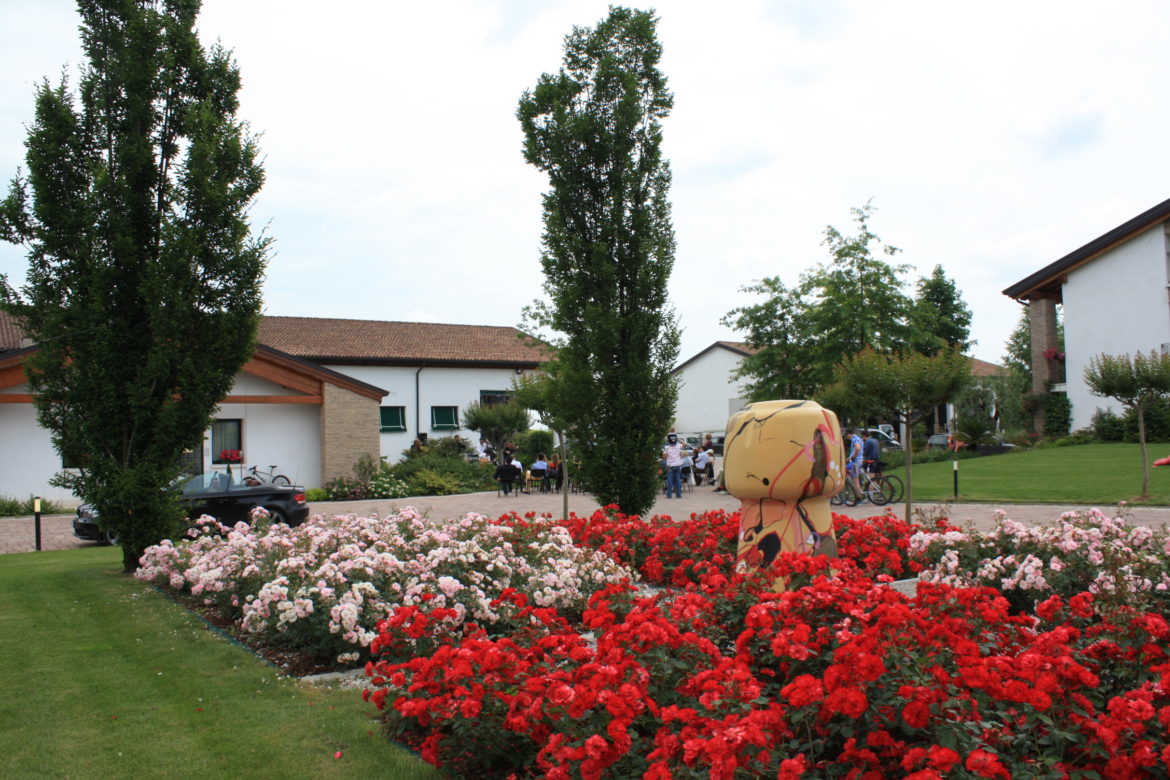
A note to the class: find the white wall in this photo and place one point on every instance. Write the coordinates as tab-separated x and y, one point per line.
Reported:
27	458
436	387
1114	304
707	395
285	434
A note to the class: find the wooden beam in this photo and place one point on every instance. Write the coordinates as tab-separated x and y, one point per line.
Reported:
271	399
15	398
283	376
12	376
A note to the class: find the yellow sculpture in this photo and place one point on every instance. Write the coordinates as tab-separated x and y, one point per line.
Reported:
783	460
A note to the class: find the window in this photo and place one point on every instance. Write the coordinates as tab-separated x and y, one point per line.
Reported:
226	438
494	397
444	418
393	418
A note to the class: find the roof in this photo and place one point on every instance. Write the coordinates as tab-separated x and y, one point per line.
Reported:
983	368
374	342
1047	282
401	343
740	348
10	332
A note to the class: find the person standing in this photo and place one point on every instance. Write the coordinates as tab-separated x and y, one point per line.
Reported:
871	453
853	463
672	456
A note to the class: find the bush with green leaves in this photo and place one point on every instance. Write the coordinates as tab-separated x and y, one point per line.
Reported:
386	485
18	507
456	469
346	489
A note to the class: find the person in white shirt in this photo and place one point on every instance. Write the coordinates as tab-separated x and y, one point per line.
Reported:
672	454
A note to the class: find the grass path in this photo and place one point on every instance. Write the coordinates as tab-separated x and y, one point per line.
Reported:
1097	474
104	677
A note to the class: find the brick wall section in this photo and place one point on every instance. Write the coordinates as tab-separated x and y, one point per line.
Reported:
349	429
1042	317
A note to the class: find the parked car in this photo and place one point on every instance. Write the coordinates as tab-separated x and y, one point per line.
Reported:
938	441
218	495
885	439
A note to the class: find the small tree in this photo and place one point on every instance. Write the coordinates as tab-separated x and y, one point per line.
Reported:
496	422
143	287
1138	383
907	388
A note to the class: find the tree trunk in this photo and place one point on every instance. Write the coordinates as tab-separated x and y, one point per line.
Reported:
1141	415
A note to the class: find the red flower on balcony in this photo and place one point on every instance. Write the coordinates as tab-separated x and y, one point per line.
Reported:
1054	354
230	456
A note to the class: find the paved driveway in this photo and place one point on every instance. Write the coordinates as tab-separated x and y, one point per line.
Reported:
16	533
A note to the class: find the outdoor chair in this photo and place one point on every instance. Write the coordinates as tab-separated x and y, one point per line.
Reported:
538	478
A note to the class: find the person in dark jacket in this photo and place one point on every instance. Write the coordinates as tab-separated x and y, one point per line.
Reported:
506	474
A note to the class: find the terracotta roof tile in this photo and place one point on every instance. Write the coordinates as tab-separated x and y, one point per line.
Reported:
10	332
983	368
322	339
349	341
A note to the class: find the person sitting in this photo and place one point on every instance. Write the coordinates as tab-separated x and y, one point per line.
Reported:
540	471
702	465
506	474
555	474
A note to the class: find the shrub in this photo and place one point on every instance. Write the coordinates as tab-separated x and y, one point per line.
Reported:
1107	426
385	485
16	507
838	677
316	494
323	586
427	482
346	489
1057	415
459	474
532	443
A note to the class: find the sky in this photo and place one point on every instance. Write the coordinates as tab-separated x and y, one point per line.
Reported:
992	139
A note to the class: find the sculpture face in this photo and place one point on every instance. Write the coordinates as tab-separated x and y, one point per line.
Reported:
783	460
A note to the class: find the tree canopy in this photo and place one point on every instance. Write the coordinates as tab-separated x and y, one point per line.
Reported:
853	302
905	387
143	285
608	249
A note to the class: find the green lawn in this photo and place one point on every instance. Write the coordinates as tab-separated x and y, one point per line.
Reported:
104	677
1098	474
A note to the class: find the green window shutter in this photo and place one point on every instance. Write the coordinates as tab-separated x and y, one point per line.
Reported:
393	419
445	418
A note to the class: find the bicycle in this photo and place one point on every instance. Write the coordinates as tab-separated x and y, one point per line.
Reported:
257	477
878	489
897	489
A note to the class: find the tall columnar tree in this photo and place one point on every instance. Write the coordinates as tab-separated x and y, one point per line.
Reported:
143	286
837	309
608	248
1138	383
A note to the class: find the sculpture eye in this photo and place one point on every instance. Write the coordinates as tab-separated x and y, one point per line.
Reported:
765	480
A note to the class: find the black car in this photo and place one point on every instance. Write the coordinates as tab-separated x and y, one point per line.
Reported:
218	495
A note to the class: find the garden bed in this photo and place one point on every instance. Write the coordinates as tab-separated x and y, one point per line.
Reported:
1056	671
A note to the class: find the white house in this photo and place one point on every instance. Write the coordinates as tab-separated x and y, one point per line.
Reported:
1114	293
317	395
708	392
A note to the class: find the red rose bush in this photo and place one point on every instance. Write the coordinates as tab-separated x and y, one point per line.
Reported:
716	676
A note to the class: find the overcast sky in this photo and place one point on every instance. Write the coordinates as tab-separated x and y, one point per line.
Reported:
993	139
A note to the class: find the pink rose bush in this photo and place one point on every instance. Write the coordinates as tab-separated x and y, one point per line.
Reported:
324	585
1118	563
